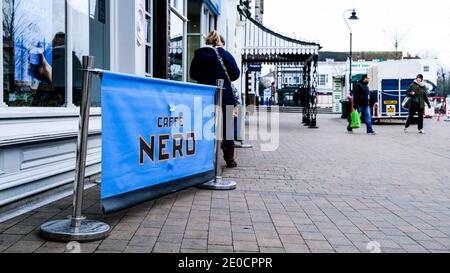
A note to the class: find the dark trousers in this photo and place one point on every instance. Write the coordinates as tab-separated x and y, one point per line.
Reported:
367	115
412	114
228	127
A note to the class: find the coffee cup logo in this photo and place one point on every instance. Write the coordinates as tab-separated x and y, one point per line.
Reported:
36	56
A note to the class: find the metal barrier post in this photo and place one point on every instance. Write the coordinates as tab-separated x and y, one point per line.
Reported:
78	228
447	109
219	183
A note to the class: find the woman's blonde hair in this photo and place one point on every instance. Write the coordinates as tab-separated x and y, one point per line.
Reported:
214	38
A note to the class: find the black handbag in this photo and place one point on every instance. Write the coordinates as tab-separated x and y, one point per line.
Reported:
236	95
416	101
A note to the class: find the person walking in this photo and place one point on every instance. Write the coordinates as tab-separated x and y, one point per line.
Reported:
361	101
212	63
417	93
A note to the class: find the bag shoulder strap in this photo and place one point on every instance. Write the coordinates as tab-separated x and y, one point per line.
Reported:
222	63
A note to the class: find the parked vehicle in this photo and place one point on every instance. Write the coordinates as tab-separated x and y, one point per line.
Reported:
389	82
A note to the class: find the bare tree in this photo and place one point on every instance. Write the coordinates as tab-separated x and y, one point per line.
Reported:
396	37
443	82
15	29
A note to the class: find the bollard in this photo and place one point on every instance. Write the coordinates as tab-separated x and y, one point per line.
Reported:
218	183
242	114
77	227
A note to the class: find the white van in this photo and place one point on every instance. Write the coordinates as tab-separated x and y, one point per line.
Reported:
389	82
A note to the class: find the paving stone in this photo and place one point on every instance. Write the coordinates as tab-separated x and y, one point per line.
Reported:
121	235
339	241
220	249
148	232
170	238
143	241
199	244
9	239
292	239
193	251
220	240
269	243
24	247
20	230
244	237
49	250
318	245
393	250
162	247
433	245
313	236
296	248
113	245
245	246
414	249
272	250
196	234
346	249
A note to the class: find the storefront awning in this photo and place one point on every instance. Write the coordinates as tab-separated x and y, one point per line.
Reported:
214	5
267	46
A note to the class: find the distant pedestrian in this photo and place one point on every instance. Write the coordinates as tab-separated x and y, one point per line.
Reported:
361	101
296	97
273	94
417	93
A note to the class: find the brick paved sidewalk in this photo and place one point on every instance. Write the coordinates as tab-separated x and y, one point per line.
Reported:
321	191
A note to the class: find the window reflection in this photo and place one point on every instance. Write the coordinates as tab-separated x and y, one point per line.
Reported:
176	47
33	52
81	11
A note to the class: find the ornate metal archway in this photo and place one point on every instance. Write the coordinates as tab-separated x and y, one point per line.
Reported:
265	46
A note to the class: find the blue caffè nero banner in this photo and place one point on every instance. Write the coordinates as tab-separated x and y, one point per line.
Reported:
158	138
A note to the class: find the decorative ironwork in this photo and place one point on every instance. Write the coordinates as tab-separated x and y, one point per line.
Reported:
304	95
314	97
265	46
308	94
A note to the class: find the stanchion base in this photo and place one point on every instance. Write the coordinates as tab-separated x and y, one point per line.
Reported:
219	184
62	231
244	146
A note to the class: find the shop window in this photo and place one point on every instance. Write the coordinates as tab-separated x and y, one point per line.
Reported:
34	53
323	80
177	40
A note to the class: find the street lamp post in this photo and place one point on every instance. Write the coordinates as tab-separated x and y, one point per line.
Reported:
353	17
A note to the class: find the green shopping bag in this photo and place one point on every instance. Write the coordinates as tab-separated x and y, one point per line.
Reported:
356	120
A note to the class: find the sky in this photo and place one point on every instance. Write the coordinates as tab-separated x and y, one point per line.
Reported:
423	26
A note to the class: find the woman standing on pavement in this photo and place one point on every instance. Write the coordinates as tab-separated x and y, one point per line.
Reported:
417	93
212	63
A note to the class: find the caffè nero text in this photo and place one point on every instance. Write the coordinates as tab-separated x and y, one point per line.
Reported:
165	147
